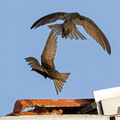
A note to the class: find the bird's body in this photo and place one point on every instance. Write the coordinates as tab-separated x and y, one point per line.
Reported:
68	28
47	69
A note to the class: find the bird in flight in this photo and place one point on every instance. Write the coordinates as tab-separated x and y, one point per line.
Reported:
68	28
47	69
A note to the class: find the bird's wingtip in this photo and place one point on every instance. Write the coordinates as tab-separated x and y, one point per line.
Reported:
109	52
25	59
32	27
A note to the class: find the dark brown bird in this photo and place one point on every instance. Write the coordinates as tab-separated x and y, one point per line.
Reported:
47	69
68	28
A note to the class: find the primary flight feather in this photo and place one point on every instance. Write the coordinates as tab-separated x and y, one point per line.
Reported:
68	28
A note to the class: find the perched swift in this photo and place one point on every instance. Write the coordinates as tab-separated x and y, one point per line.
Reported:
47	69
68	28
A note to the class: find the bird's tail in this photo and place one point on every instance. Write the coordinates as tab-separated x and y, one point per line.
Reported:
65	76
76	34
58	29
59	84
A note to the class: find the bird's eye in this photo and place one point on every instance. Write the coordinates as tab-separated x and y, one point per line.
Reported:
81	18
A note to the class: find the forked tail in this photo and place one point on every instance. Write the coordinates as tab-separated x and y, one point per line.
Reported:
59	84
74	34
65	76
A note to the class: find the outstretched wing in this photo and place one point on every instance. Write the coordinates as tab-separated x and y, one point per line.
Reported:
94	31
47	57
33	62
49	19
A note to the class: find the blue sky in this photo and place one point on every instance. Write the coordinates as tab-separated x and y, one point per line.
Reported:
90	66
